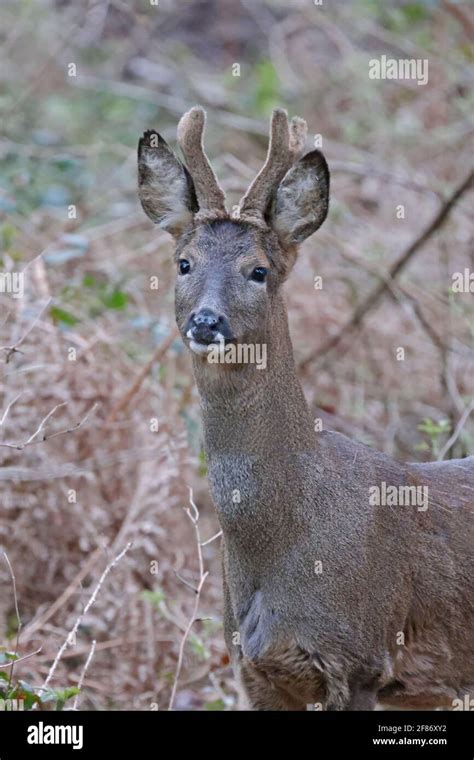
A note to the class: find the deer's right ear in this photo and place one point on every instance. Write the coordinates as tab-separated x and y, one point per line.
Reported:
165	187
300	204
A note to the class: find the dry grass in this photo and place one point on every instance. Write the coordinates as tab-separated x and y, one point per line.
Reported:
89	322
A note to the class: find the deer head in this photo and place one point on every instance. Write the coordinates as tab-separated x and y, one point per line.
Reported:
230	266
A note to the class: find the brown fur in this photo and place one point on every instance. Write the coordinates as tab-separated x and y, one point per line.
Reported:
391	614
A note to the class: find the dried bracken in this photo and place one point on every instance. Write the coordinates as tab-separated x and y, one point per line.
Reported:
92	338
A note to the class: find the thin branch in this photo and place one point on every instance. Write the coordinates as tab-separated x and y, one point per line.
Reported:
124	401
457	432
37	624
47	436
17	612
75	705
193	514
72	633
14	348
110	644
20	659
126	457
380	289
7	410
186	583
43	423
213	538
126	398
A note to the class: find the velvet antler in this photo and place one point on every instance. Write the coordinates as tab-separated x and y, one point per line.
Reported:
287	142
210	196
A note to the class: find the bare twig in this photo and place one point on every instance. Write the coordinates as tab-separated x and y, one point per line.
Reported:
124	401
14	348
379	290
5	413
75	705
186	583
110	644
52	471
17	613
457	432
193	514
213	538
72	633
47	436
35	625
20	659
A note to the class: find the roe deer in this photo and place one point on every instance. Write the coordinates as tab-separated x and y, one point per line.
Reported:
330	597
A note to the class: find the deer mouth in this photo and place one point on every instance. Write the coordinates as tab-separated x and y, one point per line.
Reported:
201	347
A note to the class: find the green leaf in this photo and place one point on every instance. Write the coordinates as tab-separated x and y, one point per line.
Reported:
267	91
63	316
89	281
7	657
217	704
198	647
414	12
7	234
30	700
422	446
202	466
63	695
154	597
115	300
47	695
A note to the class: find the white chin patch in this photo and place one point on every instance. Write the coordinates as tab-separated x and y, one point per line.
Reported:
199	348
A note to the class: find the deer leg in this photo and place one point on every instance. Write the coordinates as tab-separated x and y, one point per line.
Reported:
362	699
233	646
255	690
358	699
363	691
262	694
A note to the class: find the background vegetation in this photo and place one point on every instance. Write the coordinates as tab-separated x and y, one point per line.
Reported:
93	341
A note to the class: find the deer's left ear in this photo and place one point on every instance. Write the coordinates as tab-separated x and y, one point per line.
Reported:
165	187
300	204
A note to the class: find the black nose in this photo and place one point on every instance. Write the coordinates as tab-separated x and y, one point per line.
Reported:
205	326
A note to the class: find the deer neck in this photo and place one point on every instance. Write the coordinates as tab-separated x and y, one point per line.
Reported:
252	411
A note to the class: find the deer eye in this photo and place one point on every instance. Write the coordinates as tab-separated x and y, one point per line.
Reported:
184	266
259	274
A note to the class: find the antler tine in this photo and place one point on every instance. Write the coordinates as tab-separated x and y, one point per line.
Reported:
210	195
286	145
298	133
